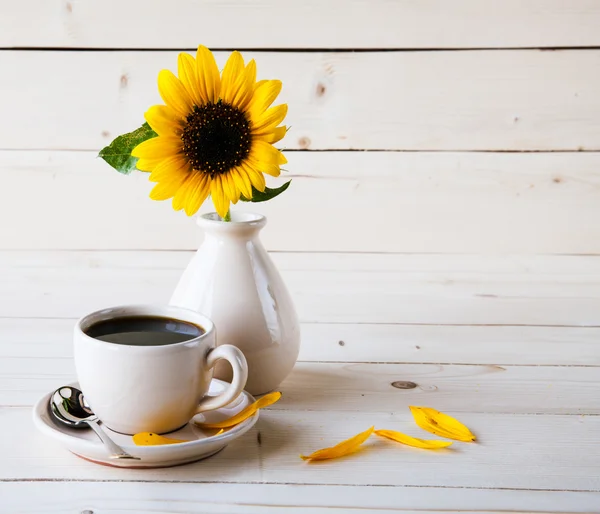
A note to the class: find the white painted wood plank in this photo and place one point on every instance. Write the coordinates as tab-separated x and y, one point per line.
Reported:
371	201
47	338
294	24
472	100
368	387
142	497
515	452
367	288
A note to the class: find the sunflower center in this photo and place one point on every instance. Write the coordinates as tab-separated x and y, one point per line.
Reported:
216	138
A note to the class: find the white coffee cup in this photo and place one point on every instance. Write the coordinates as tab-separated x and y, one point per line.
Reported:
137	388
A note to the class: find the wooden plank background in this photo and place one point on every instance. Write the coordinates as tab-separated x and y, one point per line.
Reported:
309	24
452	130
513	100
441	228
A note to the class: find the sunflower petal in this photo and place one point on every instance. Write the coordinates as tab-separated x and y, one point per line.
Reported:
148	164
266	153
265	93
220	201
230	187
166	189
188	74
150	439
163	120
412	441
441	424
208	74
244	87
242	181
199	191
265	401
269	168
180	198
170	168
157	148
267	121
233	68
277	134
173	93
257	178
339	450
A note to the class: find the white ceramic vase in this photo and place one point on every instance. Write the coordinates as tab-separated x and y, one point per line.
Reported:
232	280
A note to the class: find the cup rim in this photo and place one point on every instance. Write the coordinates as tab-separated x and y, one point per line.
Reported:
166	311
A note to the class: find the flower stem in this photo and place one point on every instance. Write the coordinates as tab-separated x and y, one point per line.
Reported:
227	216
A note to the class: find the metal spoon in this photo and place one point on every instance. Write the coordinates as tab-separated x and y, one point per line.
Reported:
68	406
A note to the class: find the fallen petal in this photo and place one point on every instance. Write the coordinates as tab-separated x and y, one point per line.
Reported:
150	439
441	424
265	401
412	441
339	450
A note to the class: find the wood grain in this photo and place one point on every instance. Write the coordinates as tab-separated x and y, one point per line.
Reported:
307	24
183	498
338	201
549	452
471	100
330	288
361	387
48	338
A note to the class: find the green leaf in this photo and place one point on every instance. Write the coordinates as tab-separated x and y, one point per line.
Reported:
268	193
118	153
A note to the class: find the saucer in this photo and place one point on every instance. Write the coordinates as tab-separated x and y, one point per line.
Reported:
200	443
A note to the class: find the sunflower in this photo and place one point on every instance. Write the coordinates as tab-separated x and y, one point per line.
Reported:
215	133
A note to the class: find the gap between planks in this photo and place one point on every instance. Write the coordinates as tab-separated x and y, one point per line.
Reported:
264	482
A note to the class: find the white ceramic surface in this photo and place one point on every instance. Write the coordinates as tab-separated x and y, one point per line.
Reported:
153	388
202	443
232	280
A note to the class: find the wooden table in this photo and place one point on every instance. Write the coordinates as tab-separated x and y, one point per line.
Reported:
508	345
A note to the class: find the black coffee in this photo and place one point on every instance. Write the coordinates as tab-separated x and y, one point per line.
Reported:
144	331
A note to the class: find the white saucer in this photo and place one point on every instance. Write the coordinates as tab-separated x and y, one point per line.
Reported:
202	443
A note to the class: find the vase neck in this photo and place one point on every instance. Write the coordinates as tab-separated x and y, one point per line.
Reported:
244	225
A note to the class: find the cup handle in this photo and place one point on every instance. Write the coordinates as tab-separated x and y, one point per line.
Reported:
238	362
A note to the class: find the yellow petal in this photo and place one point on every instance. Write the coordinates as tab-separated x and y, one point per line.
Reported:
159	147
233	68
265	94
200	189
265	401
180	198
269	169
243	88
188	74
231	190
277	134
148	164
266	153
209	79
174	94
267	121
163	120
257	178
441	424
242	181
412	441
220	201
339	450
150	439
167	189
170	168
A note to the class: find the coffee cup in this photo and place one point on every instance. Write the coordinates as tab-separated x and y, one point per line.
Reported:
148	368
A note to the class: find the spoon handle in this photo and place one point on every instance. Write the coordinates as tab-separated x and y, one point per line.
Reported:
115	450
